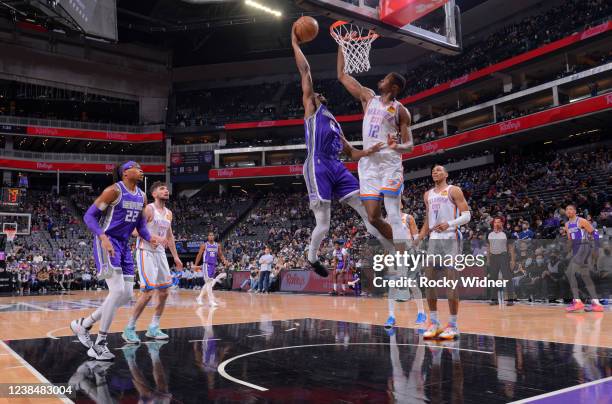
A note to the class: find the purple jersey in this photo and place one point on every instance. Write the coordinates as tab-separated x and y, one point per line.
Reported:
580	238
212	251
576	233
120	218
323	134
339	255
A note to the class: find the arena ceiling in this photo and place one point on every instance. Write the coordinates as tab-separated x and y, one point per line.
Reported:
199	32
204	32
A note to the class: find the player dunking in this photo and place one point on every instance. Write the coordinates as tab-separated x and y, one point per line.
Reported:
446	210
152	265
325	175
211	252
340	265
581	259
119	209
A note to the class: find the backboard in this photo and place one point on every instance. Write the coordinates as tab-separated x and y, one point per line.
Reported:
432	24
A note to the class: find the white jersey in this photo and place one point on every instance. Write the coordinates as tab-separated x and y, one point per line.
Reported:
441	209
379	121
159	226
406	222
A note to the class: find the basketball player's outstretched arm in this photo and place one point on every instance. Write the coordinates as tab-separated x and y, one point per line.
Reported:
303	66
93	214
358	91
356	154
406	137
171	242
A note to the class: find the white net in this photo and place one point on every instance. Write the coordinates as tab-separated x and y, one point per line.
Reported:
10	235
356	43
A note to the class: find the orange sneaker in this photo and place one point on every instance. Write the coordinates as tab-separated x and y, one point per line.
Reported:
595	307
575	307
432	331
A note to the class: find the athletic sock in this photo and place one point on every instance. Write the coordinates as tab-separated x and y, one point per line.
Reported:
452	320
433	317
343	287
391	307
88	322
419	303
577	301
131	322
335	286
155	321
595	301
101	338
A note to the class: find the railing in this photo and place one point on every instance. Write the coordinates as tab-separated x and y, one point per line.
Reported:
186	148
58	123
76	157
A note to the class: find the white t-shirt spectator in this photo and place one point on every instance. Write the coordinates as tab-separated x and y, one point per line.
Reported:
265	262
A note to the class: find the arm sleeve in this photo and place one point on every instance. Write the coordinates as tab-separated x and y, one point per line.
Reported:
141	227
91	219
464	218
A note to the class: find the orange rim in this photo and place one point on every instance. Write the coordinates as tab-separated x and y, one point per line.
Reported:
371	34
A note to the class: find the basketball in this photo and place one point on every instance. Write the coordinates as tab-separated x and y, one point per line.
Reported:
306	29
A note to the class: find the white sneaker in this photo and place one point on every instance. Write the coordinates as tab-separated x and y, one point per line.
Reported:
213	304
100	352
81	332
199	301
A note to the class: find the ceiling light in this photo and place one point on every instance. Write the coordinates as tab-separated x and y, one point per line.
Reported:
261	7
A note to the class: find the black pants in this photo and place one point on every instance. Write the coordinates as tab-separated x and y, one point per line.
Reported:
500	263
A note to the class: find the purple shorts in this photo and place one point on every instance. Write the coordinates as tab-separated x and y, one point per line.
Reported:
328	178
210	269
122	260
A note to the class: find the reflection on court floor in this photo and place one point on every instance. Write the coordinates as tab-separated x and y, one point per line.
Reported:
319	361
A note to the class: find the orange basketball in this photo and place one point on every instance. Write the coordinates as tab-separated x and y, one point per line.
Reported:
306	29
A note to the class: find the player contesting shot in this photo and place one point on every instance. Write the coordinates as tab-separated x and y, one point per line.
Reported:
325	175
112	218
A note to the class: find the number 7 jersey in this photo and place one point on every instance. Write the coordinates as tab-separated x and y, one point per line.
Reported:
119	220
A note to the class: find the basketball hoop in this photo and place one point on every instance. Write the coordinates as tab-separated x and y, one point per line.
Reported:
356	43
10	234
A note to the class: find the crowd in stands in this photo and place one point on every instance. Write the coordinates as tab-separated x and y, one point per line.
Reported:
529	190
250	103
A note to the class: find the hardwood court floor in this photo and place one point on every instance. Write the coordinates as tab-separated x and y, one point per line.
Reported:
48	317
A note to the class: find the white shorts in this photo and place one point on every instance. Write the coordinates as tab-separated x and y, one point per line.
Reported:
380	175
153	270
443	244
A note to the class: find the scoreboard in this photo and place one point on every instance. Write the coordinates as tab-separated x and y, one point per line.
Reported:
10	196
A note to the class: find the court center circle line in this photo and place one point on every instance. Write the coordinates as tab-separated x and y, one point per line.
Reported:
50	333
222	365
